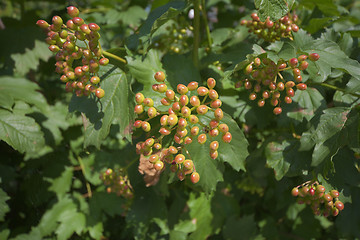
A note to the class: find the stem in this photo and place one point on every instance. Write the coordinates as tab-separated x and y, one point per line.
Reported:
204	15
114	56
89	192
336	88
196	32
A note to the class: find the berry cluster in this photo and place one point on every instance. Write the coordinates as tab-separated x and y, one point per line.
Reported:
181	120
272	31
177	38
265	81
313	194
78	52
117	182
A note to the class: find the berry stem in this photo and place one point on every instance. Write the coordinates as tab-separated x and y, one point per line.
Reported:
204	15
107	54
196	32
88	187
336	88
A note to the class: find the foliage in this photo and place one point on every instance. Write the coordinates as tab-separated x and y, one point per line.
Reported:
70	169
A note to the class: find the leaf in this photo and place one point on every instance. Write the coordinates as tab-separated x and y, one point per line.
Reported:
12	88
284	156
20	132
62	184
70	222
115	107
275	9
309	102
31	58
4	208
201	216
240	228
337	127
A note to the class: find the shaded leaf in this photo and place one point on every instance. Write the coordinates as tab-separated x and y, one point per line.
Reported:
4	208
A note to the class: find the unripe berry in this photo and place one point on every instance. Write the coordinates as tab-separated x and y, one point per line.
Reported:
170	94
295	191
146	126
193	86
94	27
334	193
211	83
164	131
213	123
184	100
182	89
227	137
202	91
195	177
214	132
159	165
164	120
213	94
214	145
57	21
188	164
161	88
139	109
72	11
181	175
290	92
261	103
202	109
176	107
218	114
185	111
148	102
42	24
149	142
139	98
154	158
194	130
320	189
224	128
216	103
248	69
160	76
298	78
334	211
94	79
314	57
181	132
247	85
137	123
172	120
152	112
302	58
289	84
202	138
327	197
173	150
296	71
182	123
214	154
194	101
193	119
303	65
180	158
188	140
287	99
252	96
165	102
104	61
54	48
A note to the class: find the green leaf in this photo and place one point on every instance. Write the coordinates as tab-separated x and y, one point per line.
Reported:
20	89
309	101
70	222
115	107
31	58
62	184
20	132
4	208
201	215
240	228
275	9
131	16
284	156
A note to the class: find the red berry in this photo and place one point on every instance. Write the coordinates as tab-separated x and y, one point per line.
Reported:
290	92
302	58
180	158
301	86
170	94
214	132
223	128
139	109
194	130
72	11
320	188
277	110
137	123
188	164
160	76
185	111
287	100
195	177
314	57
213	123
218	114
94	27
202	109
296	71
293	62
159	165
214	154
216	103
194	101
327	197
213	94
261	103
303	65
295	191
214	145
164	131
334	193
339	205
312	191
202	91
42	24
294	27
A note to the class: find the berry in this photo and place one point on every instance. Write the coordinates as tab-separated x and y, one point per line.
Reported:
194	101
194	130
161	88
192	86
146	126
218	114
223	128
42	24
202	91
314	57
185	111
193	119
293	62
184	100
182	89
195	177
104	61
94	27
139	97
227	137
164	131
148	102
287	99
202	138
180	158
214	154
159	165
170	94
172	120
295	191
202	109
277	110
303	65
214	123
100	93
213	94
137	123
139	109
160	76
188	164
214	145
154	158
72	11
211	83
152	112
302	58
327	197
301	86
216	103
339	205
95	80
